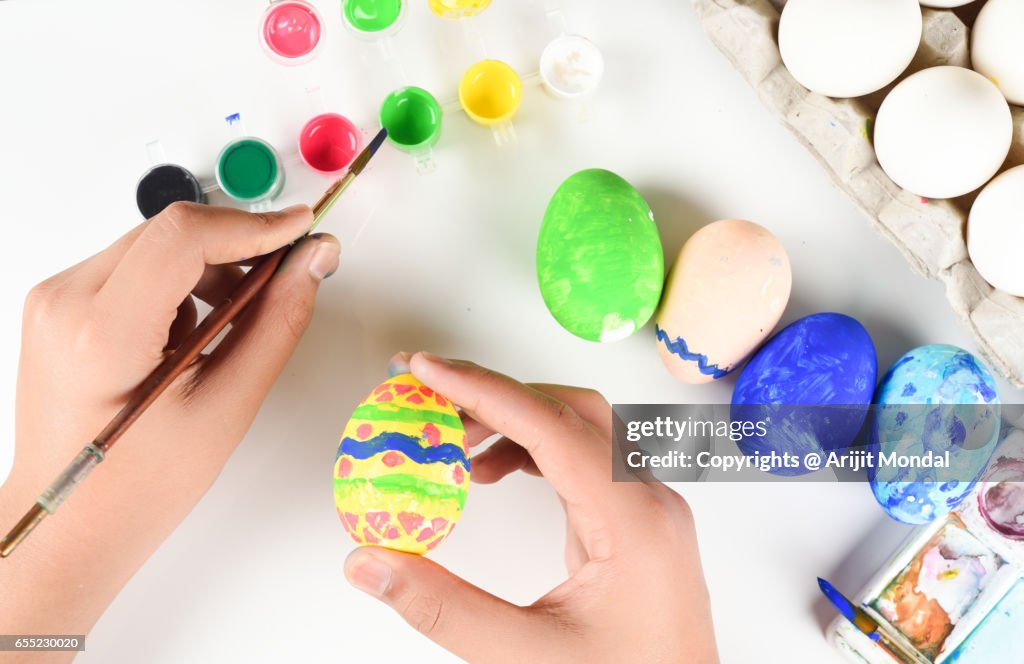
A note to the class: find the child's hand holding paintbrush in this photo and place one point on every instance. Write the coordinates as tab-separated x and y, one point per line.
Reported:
91	335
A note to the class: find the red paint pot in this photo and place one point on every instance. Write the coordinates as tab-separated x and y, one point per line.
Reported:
329	142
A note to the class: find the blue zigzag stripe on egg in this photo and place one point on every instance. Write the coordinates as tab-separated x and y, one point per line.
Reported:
679	348
447	453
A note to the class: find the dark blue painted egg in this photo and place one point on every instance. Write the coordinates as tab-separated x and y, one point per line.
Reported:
811	384
933	400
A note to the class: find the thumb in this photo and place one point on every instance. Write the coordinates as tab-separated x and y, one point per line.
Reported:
458	616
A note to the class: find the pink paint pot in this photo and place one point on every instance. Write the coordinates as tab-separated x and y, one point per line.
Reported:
291	31
329	142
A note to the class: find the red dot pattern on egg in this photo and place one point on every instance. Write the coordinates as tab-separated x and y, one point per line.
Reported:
379	527
378	520
392	459
364	431
410	521
344	467
432	434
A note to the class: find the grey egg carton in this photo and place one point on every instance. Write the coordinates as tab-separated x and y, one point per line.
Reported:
931	234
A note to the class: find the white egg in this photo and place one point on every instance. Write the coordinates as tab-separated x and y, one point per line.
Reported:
995	232
945	4
848	48
943	132
997	49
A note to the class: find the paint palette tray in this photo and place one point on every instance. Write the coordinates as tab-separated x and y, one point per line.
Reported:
929	233
968	573
899	585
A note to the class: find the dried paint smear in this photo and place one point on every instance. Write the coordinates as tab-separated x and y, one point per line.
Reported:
940	585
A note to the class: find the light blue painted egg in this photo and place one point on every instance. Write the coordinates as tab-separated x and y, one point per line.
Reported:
932	400
812	382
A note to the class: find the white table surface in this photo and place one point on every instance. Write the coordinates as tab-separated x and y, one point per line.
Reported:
86	85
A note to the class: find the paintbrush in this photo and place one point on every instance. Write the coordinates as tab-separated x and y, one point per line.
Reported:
870	627
158	381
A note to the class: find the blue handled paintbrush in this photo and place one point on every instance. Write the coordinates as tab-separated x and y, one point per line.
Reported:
869	626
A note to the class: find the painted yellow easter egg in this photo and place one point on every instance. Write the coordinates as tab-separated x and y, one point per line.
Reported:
458	8
402	471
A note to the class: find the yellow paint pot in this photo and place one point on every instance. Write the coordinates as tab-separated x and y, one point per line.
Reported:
490	92
458	8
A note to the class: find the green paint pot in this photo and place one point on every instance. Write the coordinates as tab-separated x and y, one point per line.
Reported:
413	119
372	16
249	171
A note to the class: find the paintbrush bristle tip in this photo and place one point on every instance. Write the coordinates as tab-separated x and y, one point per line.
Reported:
378	140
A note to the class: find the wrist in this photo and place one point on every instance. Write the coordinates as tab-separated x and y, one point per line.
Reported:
61	578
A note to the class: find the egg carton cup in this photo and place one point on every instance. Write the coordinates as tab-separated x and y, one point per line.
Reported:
931	234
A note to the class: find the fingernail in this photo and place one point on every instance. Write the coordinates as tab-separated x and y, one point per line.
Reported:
434	359
294	208
324	260
368	574
399	364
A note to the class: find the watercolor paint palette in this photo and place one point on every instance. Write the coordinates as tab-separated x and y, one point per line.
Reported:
954	592
930	233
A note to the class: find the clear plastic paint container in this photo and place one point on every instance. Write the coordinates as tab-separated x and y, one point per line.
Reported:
164	184
413	118
329	142
291	31
456	9
1001	498
373	19
571	67
250	171
490	93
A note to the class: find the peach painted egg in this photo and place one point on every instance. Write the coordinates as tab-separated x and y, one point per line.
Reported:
402	470
723	297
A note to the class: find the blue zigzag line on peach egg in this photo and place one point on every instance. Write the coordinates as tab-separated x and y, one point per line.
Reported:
679	348
410	446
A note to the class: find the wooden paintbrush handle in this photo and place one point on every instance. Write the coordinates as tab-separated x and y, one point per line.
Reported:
186	353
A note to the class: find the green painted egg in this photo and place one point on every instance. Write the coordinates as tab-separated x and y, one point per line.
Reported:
599	258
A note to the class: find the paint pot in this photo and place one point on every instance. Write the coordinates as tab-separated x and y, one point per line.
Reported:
329	142
165	184
1001	498
412	117
250	171
456	9
291	32
571	66
490	92
373	18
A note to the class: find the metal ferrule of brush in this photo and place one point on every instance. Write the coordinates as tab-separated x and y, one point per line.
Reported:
66	482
